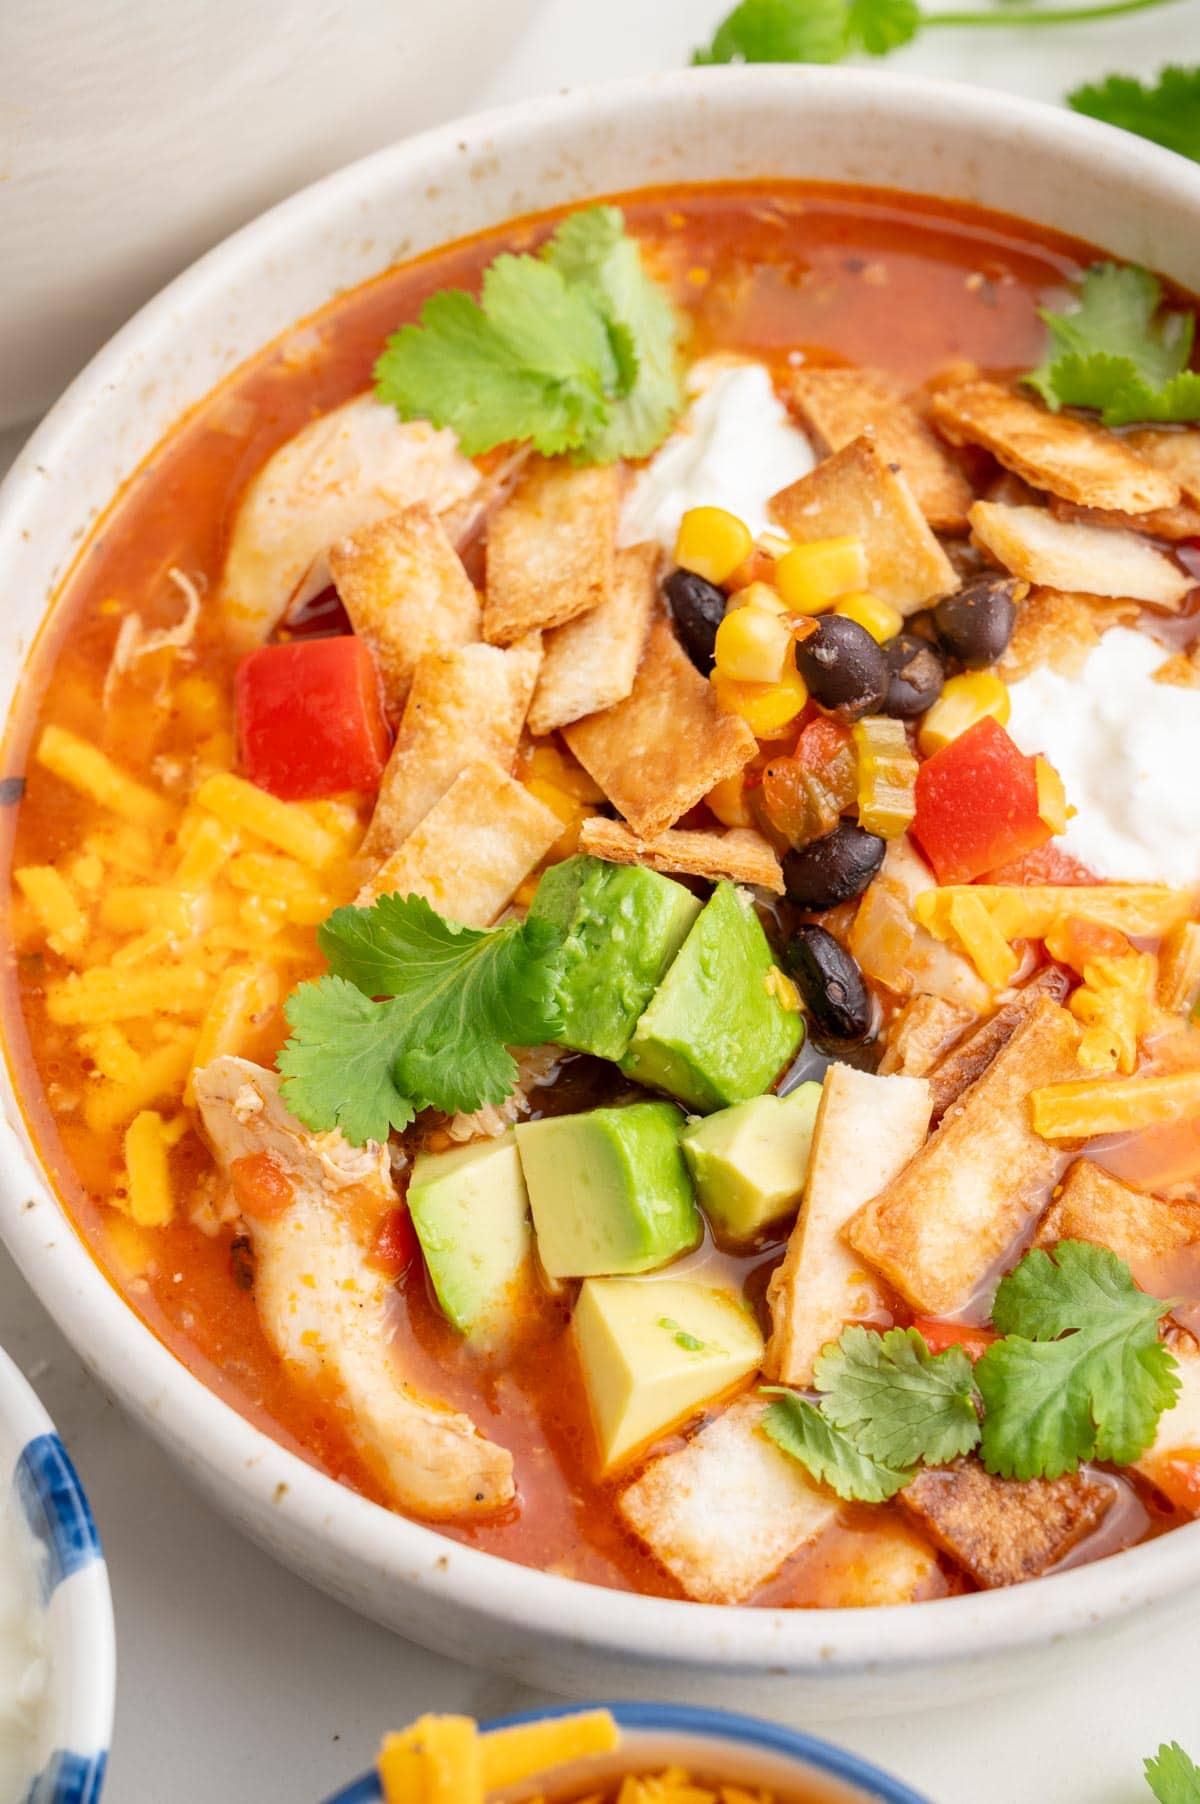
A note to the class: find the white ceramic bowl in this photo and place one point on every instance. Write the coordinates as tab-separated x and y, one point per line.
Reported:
1064	172
36	1471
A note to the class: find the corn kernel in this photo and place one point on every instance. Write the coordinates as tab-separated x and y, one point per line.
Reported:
765	707
757	595
727	800
963	703
751	646
1051	796
879	618
811	577
712	542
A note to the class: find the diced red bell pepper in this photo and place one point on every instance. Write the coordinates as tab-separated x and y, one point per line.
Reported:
395	1245
1048	864
940	1335
310	718
977	804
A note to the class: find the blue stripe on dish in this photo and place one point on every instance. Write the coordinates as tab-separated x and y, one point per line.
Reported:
68	1779
56	1509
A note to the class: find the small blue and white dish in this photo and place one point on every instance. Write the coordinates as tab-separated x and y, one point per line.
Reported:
734	1750
57	1645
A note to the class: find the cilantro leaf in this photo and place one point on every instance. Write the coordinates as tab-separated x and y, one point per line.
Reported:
572	350
900	1402
1119	352
455	998
799	1429
1172	1776
781	31
1167	111
880	26
1096	1393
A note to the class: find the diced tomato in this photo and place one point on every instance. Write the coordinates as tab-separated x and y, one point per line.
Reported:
940	1335
977	804
261	1186
1177	1476
310	718
803	796
1047	864
395	1245
1077	943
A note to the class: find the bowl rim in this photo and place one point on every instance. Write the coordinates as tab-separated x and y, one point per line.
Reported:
91	1680
817	1754
206	1431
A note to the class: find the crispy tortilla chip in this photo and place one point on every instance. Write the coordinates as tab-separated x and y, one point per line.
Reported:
590	664
857	491
1079	461
406	592
1178	1434
837	405
1171	523
1002	1530
741	855
1175	450
1147	1233
969	1058
1088	560
472	849
1060	629
925	1028
656	753
940	1227
463	705
550	548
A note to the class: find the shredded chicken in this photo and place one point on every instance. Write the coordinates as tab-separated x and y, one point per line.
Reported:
134	642
535	1064
324	1309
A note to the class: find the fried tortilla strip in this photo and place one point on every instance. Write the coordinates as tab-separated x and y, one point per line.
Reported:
864	1567
941	1226
723	1513
324	1308
1171	523
1144	1231
406	592
1060	629
836	406
1177	1443
664	747
1088	560
741	855
856	491
970	1058
1072	458
551	548
867	1130
463	705
925	1028
339	474
592	662
1006	1530
471	851
1174	450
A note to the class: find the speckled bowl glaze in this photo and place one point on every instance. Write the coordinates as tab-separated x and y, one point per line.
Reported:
740	1750
1064	172
73	1581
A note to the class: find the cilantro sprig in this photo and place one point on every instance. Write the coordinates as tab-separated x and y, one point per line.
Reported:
1173	1776
1079	1374
574	349
1166	111
417	1013
1120	351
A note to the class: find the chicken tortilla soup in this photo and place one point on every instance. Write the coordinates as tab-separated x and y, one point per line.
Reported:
604	910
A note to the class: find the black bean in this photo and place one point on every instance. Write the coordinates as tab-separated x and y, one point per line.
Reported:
916	675
833	869
976	624
843	667
831	984
698	608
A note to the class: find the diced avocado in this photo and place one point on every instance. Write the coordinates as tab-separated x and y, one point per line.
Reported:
470	1209
749	1163
623	926
717	1030
609	1190
653	1350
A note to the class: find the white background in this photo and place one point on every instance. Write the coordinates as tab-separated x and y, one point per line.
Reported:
237	1682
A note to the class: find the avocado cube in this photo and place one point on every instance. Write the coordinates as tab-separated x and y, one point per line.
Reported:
622	926
654	1351
717	1030
609	1190
470	1209
749	1163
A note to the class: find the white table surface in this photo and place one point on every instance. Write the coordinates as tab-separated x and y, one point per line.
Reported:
238	1682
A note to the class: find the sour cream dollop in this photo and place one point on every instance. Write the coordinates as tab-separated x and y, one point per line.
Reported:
1128	752
736	447
23	1669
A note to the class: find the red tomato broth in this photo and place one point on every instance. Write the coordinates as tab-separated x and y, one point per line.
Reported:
901	283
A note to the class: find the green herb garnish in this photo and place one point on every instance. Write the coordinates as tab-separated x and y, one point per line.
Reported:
685	1339
455	998
802	1430
1166	111
1120	352
574	349
1172	1776
900	1402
